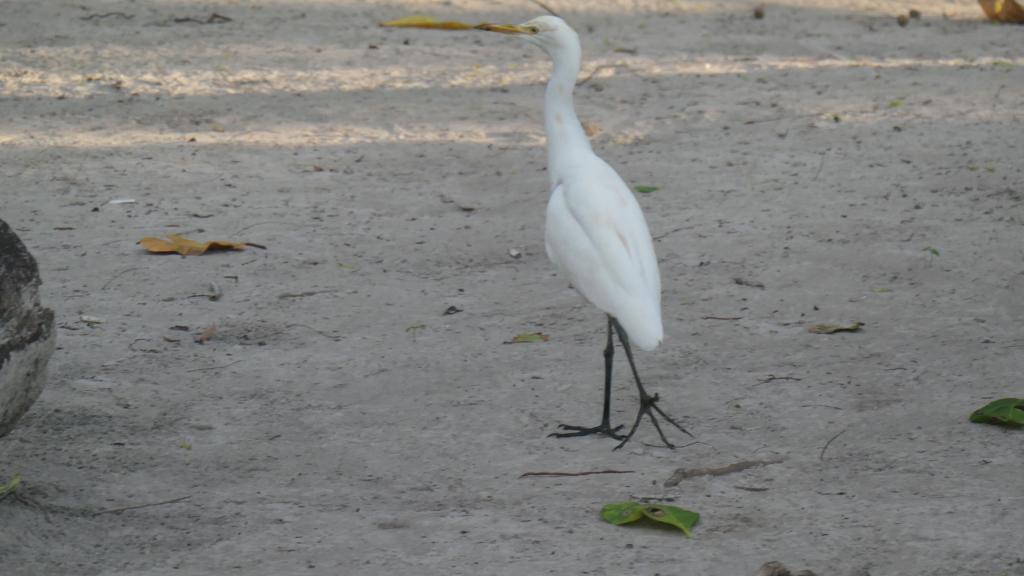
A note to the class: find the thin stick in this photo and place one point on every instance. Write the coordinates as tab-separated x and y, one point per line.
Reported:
137	506
118	275
721	318
213	367
545	7
773	377
825	447
682	473
587	473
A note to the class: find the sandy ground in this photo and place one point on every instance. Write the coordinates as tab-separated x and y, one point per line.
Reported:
338	422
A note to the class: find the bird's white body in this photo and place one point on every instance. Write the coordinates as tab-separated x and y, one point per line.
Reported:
595	234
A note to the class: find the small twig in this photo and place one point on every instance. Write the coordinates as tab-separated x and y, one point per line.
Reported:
137	506
587	473
255	245
603	67
721	317
545	7
751	488
748	122
672	231
827	444
820	406
108	15
751	283
118	275
213	367
682	473
250	226
324	334
773	377
821	164
304	294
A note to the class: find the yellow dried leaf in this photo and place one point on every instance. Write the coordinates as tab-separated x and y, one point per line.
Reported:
426	22
1003	10
181	245
833	328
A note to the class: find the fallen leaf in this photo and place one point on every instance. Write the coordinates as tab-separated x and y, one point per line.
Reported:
206	334
645	189
1003	10
896	103
621	513
175	243
426	22
10	485
1004	412
528	338
833	328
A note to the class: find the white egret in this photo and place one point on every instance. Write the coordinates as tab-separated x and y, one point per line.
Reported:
595	233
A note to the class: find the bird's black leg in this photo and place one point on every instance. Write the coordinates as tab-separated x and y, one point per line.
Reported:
647	402
606	426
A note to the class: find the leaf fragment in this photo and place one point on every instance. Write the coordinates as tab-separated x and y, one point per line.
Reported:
833	328
10	486
175	243
620	513
1003	10
1003	412
206	334
528	338
645	189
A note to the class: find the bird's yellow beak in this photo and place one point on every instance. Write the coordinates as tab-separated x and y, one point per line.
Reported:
505	28
427	22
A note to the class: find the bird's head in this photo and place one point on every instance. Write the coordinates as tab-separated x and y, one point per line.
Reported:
550	33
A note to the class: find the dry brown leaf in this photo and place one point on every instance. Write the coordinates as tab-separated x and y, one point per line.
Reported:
181	245
426	22
833	328
206	334
1003	10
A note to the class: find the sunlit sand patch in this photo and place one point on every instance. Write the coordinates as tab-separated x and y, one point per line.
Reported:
25	81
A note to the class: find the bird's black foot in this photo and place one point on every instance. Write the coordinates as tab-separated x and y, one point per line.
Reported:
648	406
605	429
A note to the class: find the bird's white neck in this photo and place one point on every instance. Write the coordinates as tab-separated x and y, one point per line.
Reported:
566	139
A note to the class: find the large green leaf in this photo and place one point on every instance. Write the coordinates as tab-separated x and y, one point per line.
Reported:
622	512
626	512
1004	412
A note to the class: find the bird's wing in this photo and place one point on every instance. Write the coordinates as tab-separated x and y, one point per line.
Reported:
597	235
611	218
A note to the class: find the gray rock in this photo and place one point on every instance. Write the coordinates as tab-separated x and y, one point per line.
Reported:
26	330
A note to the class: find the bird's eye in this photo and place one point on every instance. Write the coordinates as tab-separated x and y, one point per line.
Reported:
533	29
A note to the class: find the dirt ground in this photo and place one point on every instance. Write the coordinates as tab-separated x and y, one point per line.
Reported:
842	167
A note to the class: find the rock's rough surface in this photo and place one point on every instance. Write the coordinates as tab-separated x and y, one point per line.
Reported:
26	330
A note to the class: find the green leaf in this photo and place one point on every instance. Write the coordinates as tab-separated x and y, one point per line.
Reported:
620	513
931	250
10	485
673	516
1004	412
528	338
896	103
645	189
